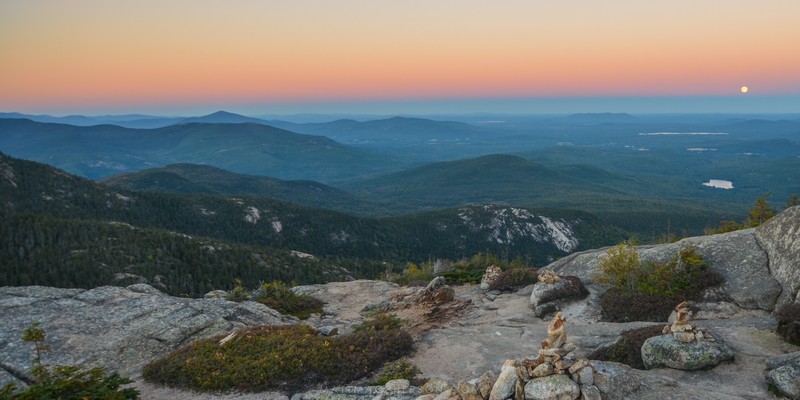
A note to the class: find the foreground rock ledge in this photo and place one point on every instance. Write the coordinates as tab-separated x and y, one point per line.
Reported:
113	326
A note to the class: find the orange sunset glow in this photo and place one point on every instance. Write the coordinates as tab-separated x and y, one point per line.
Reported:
90	54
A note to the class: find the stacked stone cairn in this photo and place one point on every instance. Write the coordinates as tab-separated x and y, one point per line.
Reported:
683	346
553	374
490	276
681	329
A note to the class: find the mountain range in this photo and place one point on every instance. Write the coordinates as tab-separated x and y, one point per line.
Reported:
645	174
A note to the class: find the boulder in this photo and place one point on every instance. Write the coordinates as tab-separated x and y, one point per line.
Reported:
783	359
436	386
784	374
397	384
506	382
665	351
553	387
118	328
590	392
786	379
468	391
780	238
615	380
486	383
446	395
546	297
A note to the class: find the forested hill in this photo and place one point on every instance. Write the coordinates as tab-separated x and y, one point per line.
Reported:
31	193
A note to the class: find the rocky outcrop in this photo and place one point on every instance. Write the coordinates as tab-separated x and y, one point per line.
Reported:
113	327
737	256
780	239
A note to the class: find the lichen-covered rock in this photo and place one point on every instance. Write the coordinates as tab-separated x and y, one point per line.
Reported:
397	384
486	383
553	387
468	391
786	379
780	238
665	351
783	359
590	392
546	296
436	386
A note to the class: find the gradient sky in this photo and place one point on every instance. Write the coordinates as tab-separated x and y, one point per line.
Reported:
262	56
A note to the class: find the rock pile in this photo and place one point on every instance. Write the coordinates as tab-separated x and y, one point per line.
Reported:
553	374
683	346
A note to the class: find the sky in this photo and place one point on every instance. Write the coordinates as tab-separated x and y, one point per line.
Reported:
180	57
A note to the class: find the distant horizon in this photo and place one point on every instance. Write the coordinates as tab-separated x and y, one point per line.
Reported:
740	104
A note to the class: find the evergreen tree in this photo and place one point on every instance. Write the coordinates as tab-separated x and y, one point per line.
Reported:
760	212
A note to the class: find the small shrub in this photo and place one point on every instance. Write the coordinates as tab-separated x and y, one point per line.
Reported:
398	369
285	357
654	288
238	294
627	349
618	306
789	322
619	268
461	276
513	279
380	320
66	382
280	297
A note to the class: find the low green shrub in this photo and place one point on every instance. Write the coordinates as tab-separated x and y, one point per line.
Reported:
789	322
514	278
627	349
398	369
68	382
655	288
288	357
462	276
279	296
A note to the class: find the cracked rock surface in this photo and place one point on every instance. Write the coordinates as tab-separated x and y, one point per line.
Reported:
114	327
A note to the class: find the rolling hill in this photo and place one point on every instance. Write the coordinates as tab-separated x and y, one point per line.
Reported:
204	179
37	199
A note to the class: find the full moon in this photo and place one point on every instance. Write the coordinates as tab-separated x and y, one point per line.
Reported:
744	89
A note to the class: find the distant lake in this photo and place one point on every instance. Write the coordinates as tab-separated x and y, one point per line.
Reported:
719	184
